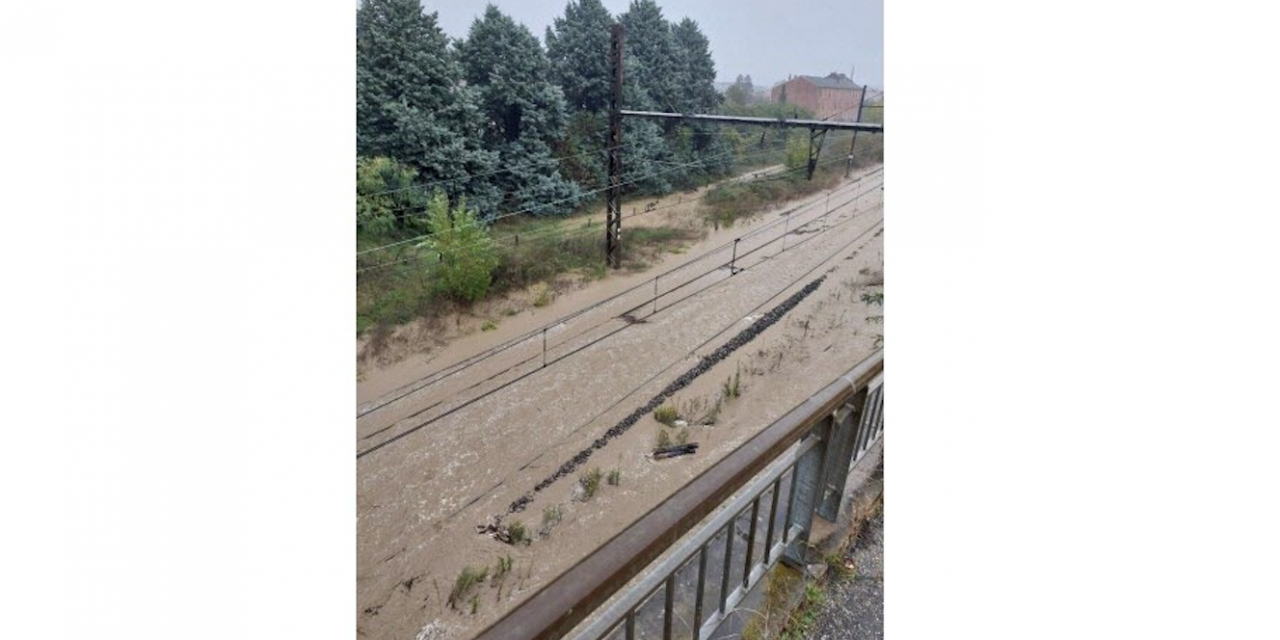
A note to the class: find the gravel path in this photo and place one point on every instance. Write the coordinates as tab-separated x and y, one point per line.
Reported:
855	606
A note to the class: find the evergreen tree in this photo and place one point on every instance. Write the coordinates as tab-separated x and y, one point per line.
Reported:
696	70
696	77
647	161
409	104
578	48
649	42
740	93
523	111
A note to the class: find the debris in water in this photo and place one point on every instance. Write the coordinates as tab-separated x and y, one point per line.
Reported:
662	453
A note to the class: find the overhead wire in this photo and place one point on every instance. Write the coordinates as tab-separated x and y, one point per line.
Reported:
574	351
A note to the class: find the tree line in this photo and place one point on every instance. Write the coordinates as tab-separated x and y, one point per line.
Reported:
501	122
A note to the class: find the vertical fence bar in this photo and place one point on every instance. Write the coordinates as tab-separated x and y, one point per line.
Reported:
702	590
728	566
544	346
751	542
791	500
773	517
655	294
668	616
631	625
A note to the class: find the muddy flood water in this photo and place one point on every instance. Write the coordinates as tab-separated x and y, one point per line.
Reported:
441	455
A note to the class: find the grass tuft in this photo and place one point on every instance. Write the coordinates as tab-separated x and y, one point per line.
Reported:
467	580
590	482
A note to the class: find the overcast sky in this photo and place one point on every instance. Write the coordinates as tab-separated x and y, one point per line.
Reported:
767	39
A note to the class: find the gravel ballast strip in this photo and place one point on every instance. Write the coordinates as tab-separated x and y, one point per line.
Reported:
705	364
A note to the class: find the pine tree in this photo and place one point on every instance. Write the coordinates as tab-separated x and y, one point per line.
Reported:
578	49
523	111
696	69
650	44
696	77
410	105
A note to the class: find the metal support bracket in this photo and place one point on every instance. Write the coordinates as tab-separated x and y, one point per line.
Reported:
816	137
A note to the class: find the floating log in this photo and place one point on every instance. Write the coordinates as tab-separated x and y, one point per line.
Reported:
662	453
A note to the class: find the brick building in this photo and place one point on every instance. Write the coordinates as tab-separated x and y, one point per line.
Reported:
824	96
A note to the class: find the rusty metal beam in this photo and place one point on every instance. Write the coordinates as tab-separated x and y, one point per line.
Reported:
555	609
776	122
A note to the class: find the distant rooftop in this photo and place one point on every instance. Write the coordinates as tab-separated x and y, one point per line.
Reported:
830	81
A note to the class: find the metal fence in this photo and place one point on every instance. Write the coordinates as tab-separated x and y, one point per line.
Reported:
761	500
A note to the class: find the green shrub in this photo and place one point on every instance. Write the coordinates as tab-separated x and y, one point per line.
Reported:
467	255
385	199
489	325
615	478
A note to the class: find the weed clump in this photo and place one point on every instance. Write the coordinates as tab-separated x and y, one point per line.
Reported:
489	325
666	414
504	567
542	294
551	516
614	478
517	533
467	580
683	436
733	386
590	482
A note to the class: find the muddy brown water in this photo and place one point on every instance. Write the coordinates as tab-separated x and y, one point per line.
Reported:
421	497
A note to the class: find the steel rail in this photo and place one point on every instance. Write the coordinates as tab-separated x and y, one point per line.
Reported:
564	356
432	378
691	353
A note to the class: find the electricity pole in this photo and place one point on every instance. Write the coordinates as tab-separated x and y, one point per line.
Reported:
613	216
862	99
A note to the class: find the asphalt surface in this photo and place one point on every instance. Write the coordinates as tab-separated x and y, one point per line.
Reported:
855	605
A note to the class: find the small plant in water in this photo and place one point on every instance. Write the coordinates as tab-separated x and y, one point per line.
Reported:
467	579
504	567
542	294
517	533
590	482
664	438
551	516
666	414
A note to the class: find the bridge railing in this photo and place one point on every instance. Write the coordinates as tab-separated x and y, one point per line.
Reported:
702	550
